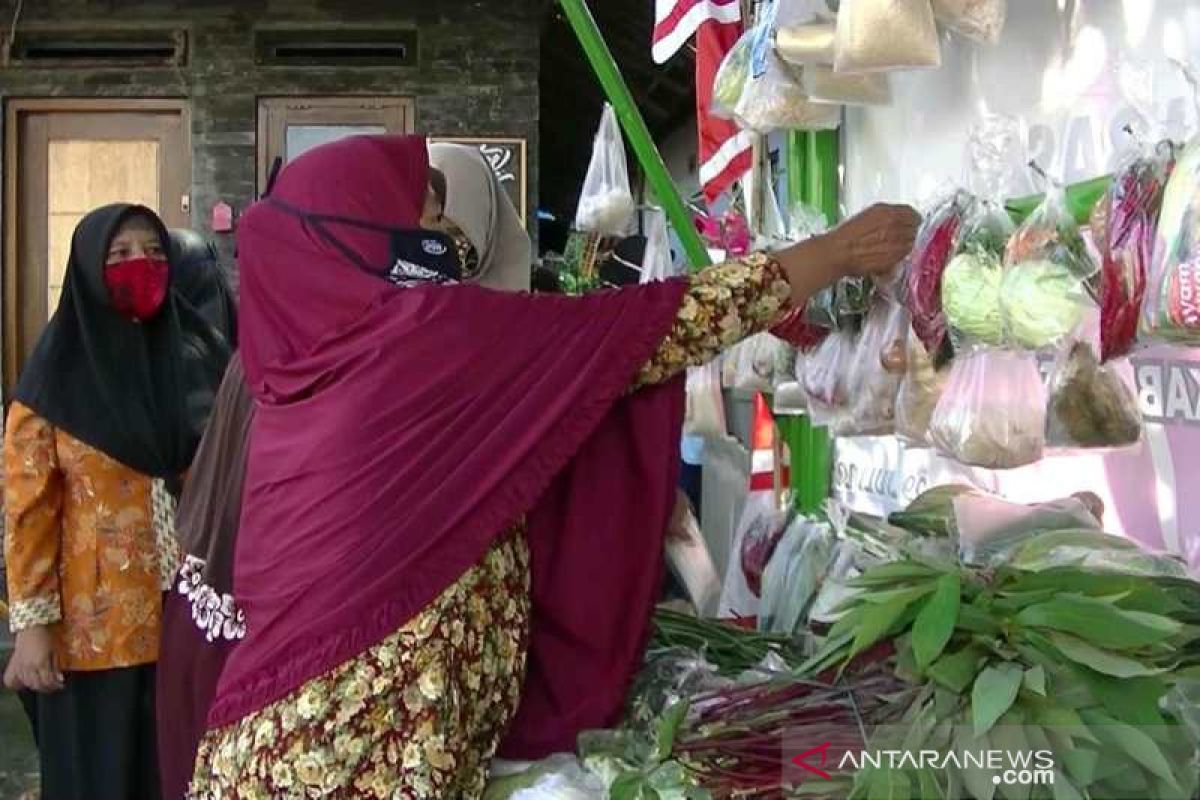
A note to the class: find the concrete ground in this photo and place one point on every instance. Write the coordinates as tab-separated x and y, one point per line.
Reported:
18	758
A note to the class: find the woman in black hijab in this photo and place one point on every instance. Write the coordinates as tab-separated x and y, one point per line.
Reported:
105	421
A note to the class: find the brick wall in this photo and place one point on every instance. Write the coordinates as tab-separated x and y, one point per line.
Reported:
477	73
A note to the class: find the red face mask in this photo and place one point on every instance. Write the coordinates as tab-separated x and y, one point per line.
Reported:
137	287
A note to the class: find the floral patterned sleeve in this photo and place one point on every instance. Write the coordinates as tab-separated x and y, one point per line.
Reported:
725	304
32	501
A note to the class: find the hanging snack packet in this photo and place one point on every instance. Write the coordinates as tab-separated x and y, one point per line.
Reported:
1173	309
1049	284
823	85
606	203
876	372
920	389
979	20
930	255
993	411
1123	228
879	35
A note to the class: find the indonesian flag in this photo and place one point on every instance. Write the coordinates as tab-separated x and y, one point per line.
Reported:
726	151
676	20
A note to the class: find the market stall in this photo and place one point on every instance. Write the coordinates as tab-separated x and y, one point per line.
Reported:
944	589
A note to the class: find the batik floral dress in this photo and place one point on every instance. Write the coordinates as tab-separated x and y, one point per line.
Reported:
420	714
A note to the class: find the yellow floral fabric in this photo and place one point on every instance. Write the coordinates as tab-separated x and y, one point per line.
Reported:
85	547
420	714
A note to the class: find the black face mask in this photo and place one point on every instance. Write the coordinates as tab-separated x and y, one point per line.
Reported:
417	256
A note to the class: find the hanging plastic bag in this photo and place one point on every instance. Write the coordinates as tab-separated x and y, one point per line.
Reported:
919	392
1049	284
1173	310
979	20
690	560
806	43
732	76
794	575
826	377
931	253
1092	404
823	85
879	35
752	364
606	203
970	294
876	372
993	411
705	414
759	529
656	262
772	99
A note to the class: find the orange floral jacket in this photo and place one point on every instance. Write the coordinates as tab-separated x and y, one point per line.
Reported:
89	546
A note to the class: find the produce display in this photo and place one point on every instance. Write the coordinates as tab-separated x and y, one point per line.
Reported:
931	253
1173	311
970	286
1092	404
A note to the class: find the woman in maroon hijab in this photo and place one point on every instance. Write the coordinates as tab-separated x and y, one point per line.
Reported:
455	497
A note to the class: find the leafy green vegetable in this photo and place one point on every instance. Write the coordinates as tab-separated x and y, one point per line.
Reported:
935	622
1104	661
994	692
1101	622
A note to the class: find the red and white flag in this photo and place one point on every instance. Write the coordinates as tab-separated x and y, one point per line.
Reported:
676	20
726	152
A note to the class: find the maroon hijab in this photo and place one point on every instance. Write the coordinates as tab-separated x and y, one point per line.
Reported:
397	432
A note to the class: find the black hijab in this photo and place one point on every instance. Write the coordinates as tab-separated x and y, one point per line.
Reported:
197	275
139	392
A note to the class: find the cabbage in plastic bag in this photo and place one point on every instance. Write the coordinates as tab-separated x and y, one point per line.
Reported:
992	412
1048	288
971	283
878	35
606	203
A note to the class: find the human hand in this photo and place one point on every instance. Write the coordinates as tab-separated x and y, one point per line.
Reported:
874	241
33	665
677	528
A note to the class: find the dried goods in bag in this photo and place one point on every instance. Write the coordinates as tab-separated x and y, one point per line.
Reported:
1173	309
993	411
879	35
1092	404
805	44
606	203
1048	287
979	20
823	85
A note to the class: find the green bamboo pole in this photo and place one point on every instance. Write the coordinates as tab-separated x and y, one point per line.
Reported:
609	74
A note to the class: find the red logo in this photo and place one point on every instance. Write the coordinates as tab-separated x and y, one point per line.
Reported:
801	760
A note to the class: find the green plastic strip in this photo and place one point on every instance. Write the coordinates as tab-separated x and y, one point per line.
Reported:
1081	198
609	74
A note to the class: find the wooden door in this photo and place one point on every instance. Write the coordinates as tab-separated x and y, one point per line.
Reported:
288	126
63	159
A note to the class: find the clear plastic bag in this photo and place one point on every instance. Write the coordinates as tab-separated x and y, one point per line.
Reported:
931	253
979	20
732	76
970	291
705	414
656	263
919	392
879	35
1173	308
989	528
794	575
826	377
806	43
992	412
876	372
1092	404
1048	289
823	85
559	777
772	98
606	203
750	364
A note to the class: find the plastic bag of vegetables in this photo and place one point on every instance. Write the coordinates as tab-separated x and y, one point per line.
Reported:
732	76
970	291
826	377
876	372
993	411
1123	228
1092	405
1173	309
1049	284
794	575
919	391
930	256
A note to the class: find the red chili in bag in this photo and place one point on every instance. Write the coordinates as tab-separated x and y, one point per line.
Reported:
934	247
